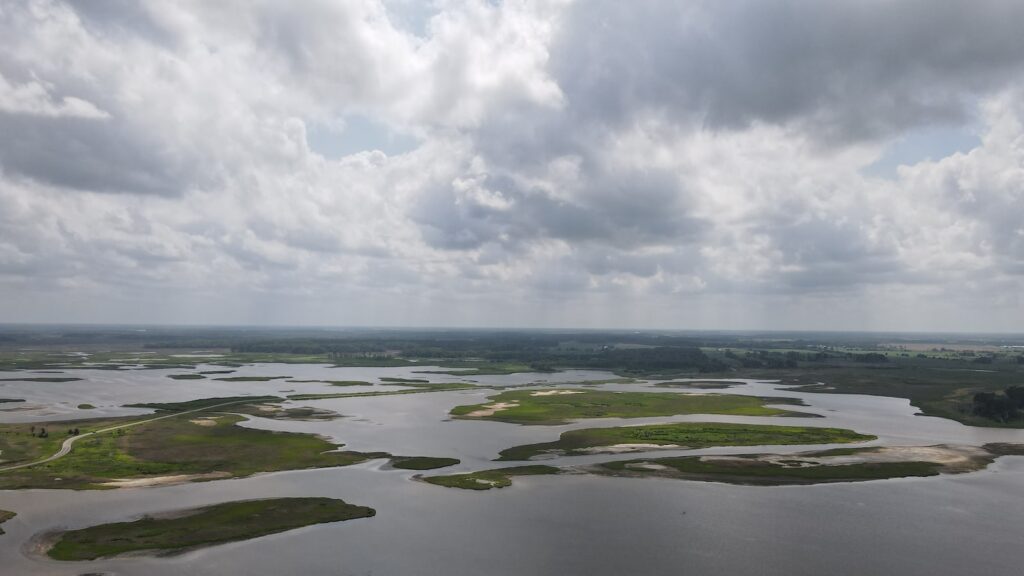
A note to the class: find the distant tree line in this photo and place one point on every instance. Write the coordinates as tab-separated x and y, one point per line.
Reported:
1004	407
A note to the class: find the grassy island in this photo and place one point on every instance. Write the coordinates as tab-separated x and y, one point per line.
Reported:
252	378
559	406
487	479
422	462
680	435
837	465
186	376
40	379
5	515
209	526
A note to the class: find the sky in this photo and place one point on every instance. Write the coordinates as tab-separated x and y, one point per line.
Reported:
752	164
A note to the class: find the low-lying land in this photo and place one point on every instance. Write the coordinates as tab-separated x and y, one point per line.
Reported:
39	379
333	382
559	406
181	531
422	462
416	389
5	515
203	403
6	400
278	412
251	378
86	407
193	447
698	384
487	479
839	465
186	376
683	435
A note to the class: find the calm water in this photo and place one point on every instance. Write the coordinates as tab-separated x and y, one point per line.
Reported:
545	525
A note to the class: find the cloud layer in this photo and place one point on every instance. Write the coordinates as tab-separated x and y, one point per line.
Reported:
598	164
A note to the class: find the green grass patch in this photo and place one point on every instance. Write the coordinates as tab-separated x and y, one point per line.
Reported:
186	376
86	407
422	462
394	380
686	435
7	400
40	379
251	378
209	526
5	515
560	406
487	479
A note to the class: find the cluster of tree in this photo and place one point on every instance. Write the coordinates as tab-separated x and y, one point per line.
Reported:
1005	406
42	432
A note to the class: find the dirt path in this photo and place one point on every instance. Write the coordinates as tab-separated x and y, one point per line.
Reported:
66	446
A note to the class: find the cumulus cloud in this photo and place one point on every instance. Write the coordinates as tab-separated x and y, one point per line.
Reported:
697	164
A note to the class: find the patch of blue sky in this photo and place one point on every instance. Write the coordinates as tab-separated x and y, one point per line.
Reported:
923	144
357	134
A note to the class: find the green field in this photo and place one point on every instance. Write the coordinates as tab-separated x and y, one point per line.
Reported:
198	443
559	406
217	524
487	479
422	462
684	435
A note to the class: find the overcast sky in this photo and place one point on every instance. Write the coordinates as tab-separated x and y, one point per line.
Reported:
759	164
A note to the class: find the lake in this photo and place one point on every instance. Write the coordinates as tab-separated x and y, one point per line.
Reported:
570	524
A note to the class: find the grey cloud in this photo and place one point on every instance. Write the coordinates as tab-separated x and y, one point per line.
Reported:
89	154
848	70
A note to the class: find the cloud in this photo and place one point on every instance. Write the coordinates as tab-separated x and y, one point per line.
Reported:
702	164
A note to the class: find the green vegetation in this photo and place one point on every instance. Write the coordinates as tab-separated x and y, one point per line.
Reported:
464	368
251	378
417	389
487	479
939	374
217	524
186	376
404	380
559	406
203	403
751	470
217	372
86	407
40	379
699	384
6	400
333	382
278	412
684	435
422	462
194	444
5	515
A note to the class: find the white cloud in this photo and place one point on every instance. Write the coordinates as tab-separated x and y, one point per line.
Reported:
576	164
